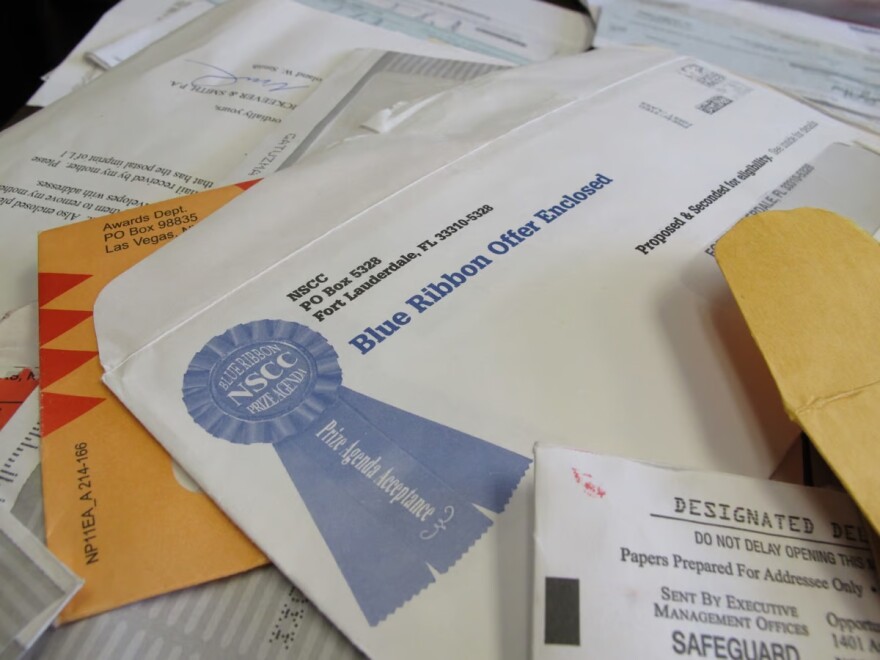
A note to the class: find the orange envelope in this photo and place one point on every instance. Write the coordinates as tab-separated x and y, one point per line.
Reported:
119	513
808	284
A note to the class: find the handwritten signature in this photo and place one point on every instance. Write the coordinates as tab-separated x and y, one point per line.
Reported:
220	77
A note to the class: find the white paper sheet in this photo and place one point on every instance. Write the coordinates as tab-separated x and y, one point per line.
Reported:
176	119
843	179
516	31
35	587
122	19
451	288
116	52
792	52
636	561
364	83
18	337
787	17
19	449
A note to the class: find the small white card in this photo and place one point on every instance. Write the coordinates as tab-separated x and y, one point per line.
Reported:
637	561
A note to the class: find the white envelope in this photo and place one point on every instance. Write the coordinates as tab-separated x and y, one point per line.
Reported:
355	358
701	564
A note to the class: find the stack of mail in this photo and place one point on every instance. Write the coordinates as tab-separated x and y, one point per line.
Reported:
325	291
364	365
226	115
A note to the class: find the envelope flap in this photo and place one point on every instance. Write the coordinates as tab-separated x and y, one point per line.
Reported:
201	267
845	433
808	284
335	186
804	280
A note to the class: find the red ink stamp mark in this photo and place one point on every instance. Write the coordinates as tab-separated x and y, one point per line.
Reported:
585	481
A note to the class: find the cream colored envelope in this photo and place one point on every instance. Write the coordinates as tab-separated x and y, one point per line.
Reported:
373	340
808	283
119	512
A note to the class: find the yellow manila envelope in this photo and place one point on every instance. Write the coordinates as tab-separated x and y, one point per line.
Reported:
119	512
808	283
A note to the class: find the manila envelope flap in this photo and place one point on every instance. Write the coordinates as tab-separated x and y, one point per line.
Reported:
808	283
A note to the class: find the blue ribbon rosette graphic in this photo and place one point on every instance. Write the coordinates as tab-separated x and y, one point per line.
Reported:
394	495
